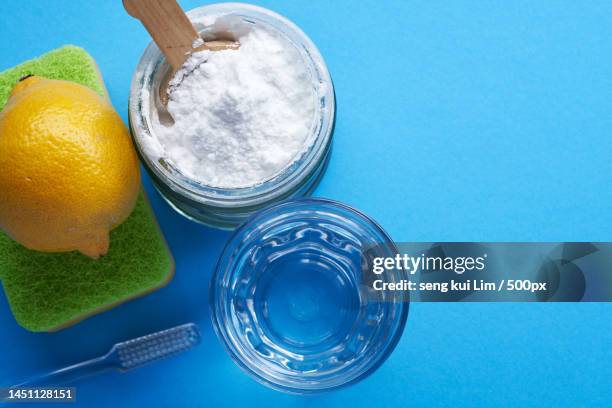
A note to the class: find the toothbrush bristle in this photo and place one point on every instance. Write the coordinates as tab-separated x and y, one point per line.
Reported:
142	350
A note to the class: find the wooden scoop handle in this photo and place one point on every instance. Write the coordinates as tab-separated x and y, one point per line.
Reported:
168	25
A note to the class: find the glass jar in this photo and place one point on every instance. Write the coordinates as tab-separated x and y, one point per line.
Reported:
228	207
292	297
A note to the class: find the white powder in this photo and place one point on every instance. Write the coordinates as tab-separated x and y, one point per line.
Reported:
241	116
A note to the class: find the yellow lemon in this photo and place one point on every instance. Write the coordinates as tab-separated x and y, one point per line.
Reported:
68	170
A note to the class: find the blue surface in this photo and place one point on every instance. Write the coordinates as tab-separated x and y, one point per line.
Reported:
458	120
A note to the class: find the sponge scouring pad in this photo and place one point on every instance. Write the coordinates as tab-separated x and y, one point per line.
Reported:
50	291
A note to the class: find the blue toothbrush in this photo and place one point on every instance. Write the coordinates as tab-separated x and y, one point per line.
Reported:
125	356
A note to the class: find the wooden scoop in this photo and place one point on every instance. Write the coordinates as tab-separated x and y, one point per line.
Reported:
173	33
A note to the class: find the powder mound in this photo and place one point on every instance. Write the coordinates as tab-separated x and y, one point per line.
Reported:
241	116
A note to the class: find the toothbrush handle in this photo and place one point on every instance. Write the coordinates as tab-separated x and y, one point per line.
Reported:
69	374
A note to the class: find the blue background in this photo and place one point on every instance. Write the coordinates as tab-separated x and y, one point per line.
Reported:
457	120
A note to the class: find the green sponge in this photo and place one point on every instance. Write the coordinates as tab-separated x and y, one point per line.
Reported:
46	291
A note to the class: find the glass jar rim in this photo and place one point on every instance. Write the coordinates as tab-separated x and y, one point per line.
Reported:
291	176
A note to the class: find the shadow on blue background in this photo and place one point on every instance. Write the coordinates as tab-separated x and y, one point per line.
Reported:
457	121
